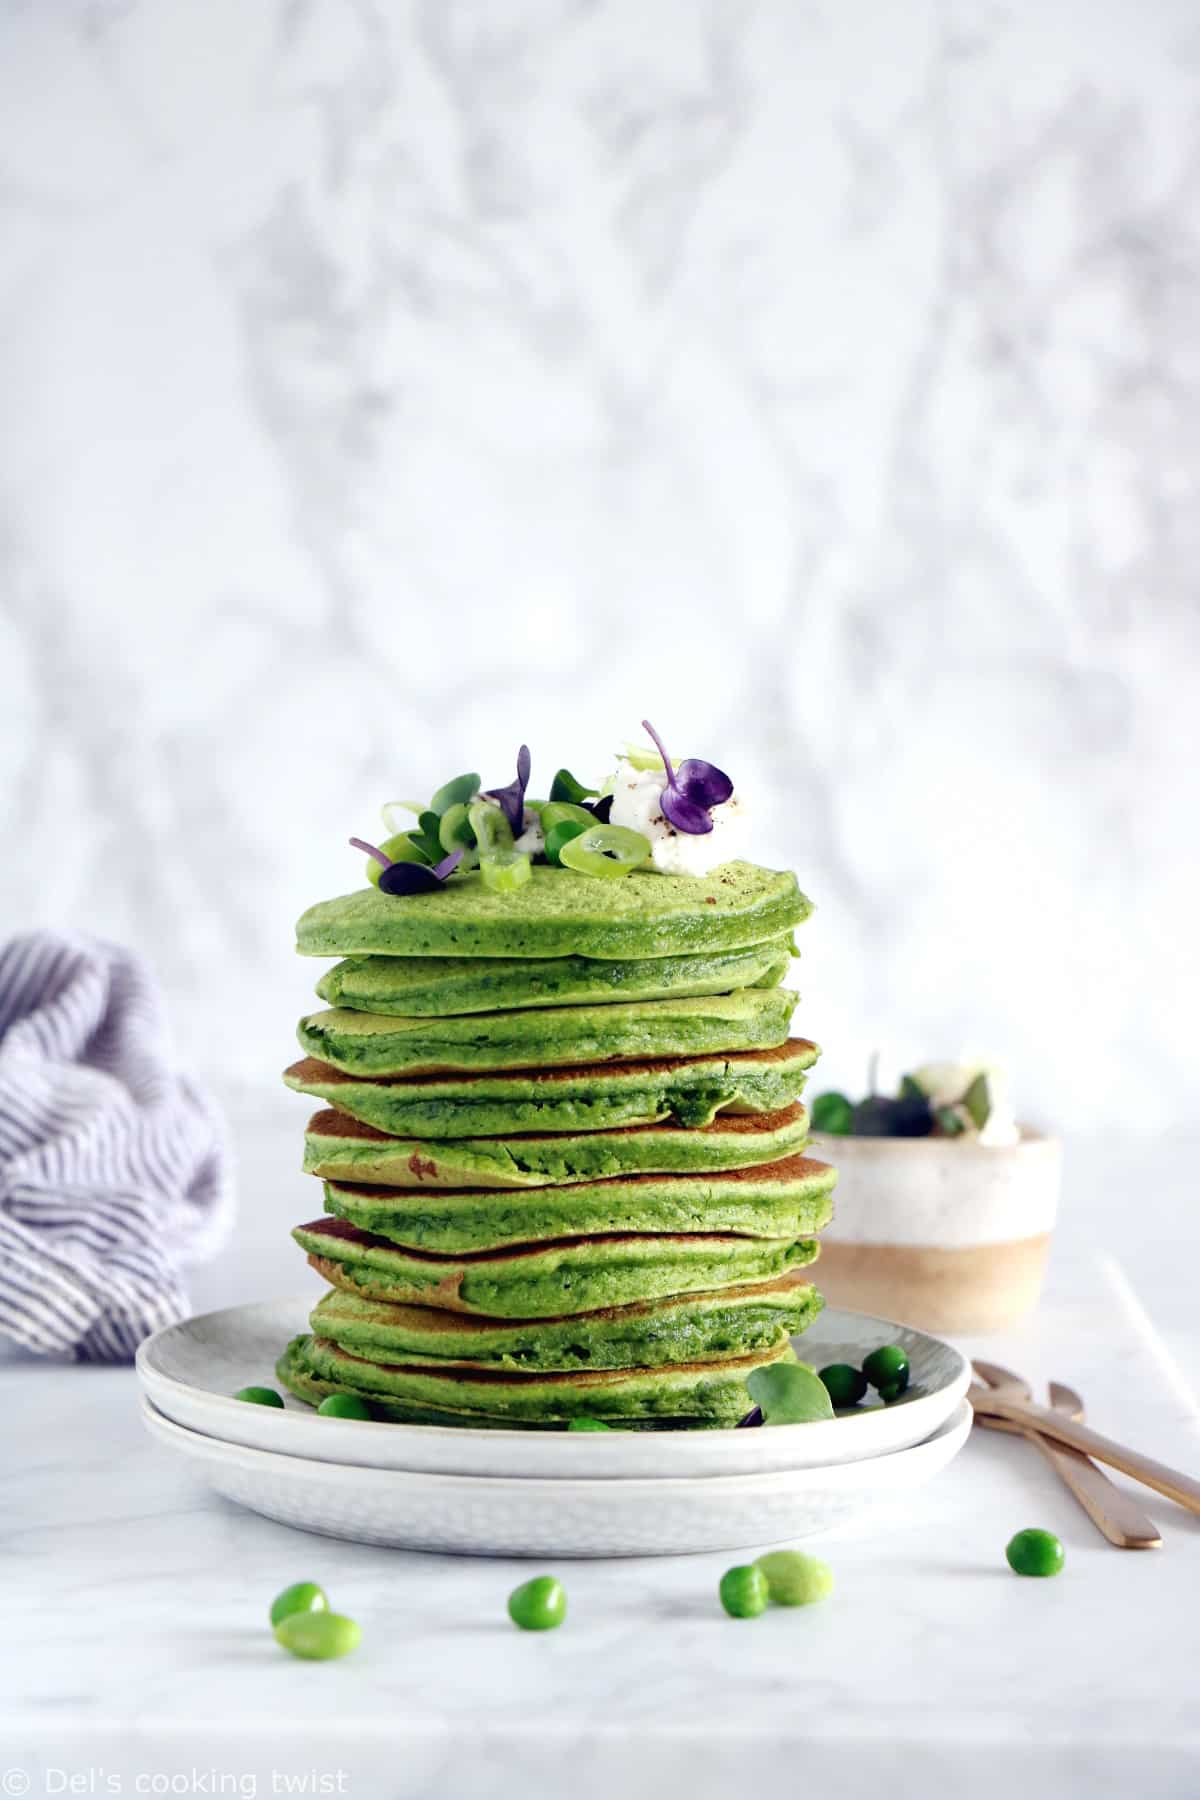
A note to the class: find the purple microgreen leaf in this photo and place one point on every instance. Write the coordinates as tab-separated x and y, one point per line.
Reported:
372	850
512	798
691	790
599	809
684	814
448	864
703	782
662	751
753	1417
408	878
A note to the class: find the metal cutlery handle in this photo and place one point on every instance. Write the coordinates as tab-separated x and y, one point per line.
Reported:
1113	1513
1172	1482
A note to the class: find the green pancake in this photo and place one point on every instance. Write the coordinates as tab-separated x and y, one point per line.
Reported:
692	1328
787	1199
433	986
373	1044
685	1395
570	1100
561	913
343	1149
546	1281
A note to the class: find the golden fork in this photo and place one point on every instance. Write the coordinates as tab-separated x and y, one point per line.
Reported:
1114	1513
994	1403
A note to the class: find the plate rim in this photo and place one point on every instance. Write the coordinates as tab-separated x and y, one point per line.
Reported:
201	1446
151	1376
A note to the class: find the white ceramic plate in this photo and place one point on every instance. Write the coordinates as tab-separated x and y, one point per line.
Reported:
190	1371
486	1515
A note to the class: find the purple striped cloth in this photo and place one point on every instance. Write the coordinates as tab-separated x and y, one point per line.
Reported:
114	1169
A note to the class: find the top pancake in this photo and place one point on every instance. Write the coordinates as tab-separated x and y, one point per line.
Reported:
561	913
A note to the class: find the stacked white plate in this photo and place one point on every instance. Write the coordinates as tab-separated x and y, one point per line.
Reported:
553	1493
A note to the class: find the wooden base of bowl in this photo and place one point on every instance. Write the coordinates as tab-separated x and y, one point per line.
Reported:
984	1287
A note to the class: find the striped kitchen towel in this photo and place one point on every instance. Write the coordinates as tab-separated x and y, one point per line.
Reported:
114	1169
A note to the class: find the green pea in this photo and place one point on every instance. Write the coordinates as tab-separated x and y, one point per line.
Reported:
887	1368
1034	1552
344	1406
846	1384
794	1579
318	1636
561	834
538	1605
259	1396
302	1596
744	1591
892	1391
588	1425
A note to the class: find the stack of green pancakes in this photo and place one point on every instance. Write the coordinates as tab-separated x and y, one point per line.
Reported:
561	1148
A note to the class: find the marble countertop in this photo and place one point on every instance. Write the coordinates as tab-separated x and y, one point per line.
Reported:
135	1656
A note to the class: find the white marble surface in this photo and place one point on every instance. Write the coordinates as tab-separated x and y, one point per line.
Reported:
389	383
134	1642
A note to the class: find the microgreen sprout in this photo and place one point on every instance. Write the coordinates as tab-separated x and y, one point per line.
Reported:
408	877
692	790
512	798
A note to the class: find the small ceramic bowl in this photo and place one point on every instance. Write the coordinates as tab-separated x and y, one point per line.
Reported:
944	1233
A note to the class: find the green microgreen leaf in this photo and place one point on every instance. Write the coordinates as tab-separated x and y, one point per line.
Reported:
789	1394
565	787
832	1114
978	1101
458	792
428	834
949	1121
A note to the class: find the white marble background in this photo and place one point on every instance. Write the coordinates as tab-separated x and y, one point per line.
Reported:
384	384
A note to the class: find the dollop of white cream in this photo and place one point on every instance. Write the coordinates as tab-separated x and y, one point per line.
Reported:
637	805
532	839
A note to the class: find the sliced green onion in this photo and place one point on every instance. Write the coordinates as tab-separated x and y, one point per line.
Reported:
559	812
606	851
504	871
492	829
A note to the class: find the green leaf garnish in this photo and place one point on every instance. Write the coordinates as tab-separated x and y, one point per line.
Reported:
427	835
978	1101
911	1089
949	1121
833	1114
565	787
454	793
789	1394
